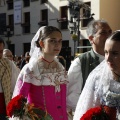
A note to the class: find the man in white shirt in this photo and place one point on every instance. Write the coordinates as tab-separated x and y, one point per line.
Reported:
98	31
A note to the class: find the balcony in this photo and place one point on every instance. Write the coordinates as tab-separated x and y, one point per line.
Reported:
26	27
43	23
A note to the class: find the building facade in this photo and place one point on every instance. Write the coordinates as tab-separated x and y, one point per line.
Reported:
104	9
25	17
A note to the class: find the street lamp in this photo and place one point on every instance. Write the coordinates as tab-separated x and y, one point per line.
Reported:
8	33
74	38
74	17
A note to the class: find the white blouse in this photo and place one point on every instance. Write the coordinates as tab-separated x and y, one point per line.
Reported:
75	82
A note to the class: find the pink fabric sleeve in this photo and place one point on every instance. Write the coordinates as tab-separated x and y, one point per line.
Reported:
21	88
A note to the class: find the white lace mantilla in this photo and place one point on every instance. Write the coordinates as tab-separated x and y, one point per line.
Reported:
112	96
100	89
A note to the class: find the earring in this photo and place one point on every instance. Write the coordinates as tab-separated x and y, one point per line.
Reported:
41	43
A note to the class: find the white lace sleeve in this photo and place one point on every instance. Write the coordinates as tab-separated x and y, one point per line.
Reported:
75	84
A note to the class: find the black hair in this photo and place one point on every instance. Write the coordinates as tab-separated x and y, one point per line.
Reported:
45	32
115	36
2	41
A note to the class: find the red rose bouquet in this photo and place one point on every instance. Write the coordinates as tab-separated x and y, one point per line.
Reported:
18	107
97	113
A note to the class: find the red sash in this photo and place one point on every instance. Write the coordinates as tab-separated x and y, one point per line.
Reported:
2	104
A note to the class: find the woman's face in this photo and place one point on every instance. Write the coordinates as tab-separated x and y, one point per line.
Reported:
112	55
52	44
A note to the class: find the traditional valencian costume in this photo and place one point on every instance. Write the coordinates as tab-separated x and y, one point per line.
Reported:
8	76
45	88
101	88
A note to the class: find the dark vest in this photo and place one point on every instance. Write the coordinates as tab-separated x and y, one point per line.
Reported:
89	61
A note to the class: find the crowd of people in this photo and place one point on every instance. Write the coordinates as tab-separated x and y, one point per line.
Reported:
93	79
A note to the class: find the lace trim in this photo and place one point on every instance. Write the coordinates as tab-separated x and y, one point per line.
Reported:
41	76
112	97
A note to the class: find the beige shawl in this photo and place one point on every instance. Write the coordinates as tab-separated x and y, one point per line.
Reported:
5	77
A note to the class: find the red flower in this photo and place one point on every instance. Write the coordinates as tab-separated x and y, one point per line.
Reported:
18	107
96	113
16	104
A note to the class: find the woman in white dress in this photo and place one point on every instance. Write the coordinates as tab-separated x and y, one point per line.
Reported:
103	84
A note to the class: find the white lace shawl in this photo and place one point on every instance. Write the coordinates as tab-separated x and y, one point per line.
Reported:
100	88
35	73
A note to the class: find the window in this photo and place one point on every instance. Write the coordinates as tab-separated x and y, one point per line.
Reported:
44	1
87	14
44	18
26	24
26	47
33	0
64	21
10	4
10	19
26	3
2	23
11	22
12	48
27	17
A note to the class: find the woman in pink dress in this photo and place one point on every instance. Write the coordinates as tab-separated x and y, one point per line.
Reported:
43	80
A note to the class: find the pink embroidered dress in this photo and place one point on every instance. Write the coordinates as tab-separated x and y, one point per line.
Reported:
45	88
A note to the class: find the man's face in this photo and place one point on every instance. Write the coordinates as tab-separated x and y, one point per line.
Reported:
1	49
8	54
103	32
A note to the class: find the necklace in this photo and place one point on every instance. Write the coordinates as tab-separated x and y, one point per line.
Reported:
117	76
46	60
49	63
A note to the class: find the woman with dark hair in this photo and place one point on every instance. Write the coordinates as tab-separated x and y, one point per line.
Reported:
43	80
102	87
